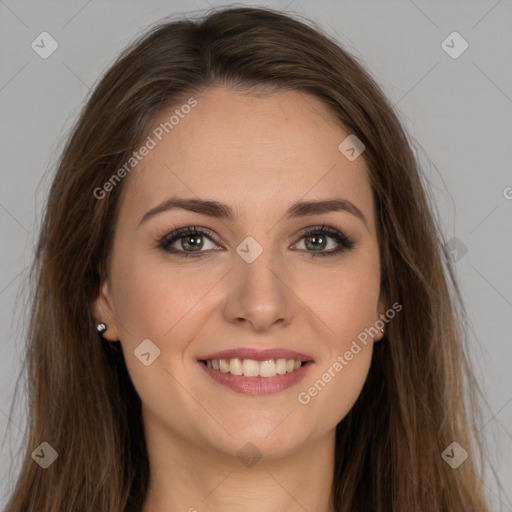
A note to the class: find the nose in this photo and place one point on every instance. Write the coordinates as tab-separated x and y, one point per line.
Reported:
259	294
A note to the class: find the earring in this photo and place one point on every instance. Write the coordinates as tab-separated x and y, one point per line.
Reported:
101	327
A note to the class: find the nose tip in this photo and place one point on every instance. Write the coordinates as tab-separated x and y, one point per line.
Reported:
258	294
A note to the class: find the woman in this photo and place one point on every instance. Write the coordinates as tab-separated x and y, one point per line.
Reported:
240	217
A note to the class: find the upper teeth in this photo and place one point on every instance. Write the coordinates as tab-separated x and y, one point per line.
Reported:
253	368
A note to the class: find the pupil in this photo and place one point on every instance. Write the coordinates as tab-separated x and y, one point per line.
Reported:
195	244
315	238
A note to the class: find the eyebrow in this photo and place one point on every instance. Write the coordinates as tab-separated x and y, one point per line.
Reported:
223	211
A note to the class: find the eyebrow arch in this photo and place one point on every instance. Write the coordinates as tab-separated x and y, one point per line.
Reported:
223	211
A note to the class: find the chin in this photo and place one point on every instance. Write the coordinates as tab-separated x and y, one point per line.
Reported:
260	439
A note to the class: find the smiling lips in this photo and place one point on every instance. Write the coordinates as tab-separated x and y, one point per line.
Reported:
253	368
253	371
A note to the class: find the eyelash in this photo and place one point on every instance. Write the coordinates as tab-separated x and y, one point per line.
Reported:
344	241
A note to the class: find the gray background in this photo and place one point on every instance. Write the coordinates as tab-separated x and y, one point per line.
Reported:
458	112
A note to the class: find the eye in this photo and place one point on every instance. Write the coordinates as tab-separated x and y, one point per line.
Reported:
316	238
189	241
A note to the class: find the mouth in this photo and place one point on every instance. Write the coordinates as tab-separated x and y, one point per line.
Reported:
253	368
255	371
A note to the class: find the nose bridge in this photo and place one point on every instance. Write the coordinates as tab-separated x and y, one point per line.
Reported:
258	292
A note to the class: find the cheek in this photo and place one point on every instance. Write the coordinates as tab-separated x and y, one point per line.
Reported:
347	379
345	299
152	299
337	382
346	302
156	304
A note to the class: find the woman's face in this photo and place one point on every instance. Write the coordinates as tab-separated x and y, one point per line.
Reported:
251	292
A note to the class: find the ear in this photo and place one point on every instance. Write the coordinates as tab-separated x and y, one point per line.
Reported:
104	312
382	307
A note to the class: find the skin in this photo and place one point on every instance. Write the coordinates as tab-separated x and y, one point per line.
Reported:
259	154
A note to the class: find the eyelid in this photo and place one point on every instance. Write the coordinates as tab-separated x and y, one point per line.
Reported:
188	229
346	242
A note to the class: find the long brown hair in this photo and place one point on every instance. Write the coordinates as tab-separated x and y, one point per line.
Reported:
81	399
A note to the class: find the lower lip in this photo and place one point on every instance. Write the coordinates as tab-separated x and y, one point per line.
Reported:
257	385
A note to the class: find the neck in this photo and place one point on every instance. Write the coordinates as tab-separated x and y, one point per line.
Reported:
192	478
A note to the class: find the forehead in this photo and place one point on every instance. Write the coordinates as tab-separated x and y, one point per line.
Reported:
258	153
